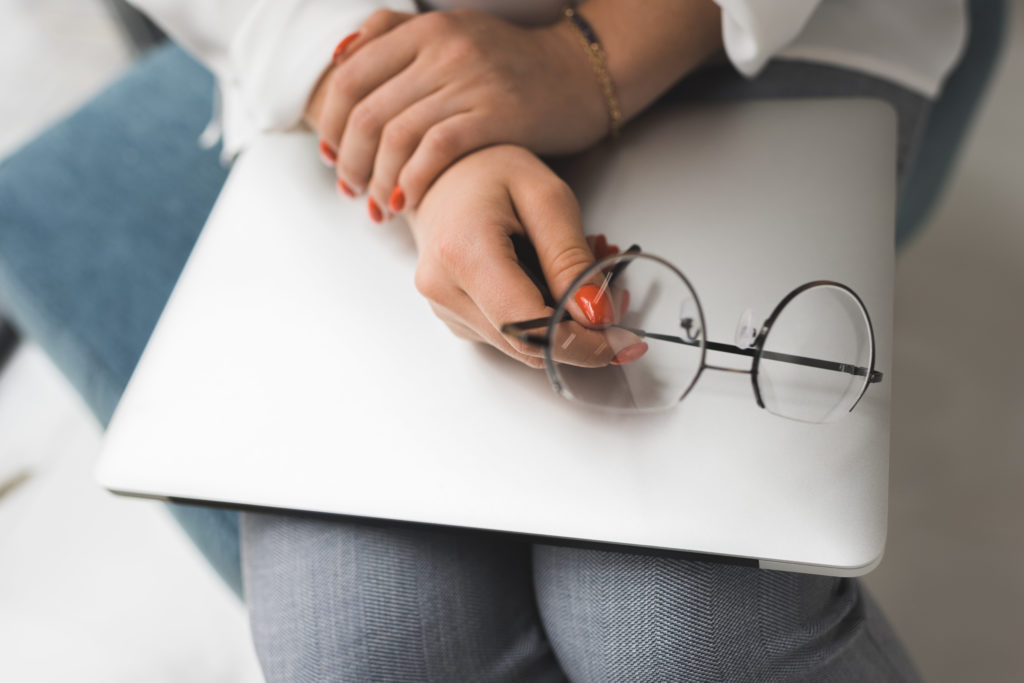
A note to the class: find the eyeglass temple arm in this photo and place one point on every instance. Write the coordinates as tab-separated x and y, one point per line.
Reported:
874	377
519	330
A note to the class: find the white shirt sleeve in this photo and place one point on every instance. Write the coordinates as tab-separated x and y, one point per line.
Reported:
266	54
754	30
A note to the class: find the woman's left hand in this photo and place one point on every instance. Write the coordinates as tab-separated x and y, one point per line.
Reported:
400	105
470	273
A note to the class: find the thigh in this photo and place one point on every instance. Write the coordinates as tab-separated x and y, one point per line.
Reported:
348	600
622	617
97	217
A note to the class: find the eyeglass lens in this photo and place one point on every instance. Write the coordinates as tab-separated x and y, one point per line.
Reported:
823	322
638	373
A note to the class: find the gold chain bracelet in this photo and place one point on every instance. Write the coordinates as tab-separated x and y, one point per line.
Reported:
588	39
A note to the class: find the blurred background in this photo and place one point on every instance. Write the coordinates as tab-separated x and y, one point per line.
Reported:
98	588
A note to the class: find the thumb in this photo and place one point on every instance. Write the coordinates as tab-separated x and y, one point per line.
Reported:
550	216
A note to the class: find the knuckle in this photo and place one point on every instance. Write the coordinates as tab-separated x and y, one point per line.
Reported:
463	48
435	22
442	141
341	83
453	254
570	262
558	192
379	19
428	284
397	135
364	119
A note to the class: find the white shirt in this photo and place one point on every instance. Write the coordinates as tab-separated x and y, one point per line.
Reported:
268	54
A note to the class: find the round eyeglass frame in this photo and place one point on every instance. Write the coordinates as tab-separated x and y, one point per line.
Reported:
755	350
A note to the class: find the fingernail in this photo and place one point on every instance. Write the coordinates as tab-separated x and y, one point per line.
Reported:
345	42
375	213
600	245
345	189
595	305
629	354
327	153
397	201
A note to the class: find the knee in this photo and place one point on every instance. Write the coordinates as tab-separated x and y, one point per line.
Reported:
616	616
347	600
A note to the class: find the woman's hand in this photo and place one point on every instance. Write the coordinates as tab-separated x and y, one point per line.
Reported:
411	94
469	271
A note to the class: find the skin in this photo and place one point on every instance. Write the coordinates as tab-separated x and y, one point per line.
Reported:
467	266
413	93
450	109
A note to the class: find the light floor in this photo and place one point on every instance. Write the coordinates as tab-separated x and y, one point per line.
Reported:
97	588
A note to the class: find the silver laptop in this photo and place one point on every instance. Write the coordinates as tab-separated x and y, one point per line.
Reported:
296	367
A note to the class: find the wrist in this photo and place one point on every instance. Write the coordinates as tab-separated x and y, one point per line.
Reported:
586	108
649	47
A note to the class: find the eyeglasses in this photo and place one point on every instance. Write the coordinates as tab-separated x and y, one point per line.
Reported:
629	335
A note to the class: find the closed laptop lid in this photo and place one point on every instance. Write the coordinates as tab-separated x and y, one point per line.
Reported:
296	367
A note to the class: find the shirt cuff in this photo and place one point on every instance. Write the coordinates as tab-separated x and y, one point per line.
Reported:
276	58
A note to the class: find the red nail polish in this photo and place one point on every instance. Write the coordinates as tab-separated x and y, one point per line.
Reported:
327	153
629	354
345	42
600	246
375	212
596	305
397	201
345	189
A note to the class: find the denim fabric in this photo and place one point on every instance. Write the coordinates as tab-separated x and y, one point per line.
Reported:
97	218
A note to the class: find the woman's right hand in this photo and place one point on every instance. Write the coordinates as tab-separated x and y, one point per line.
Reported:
469	271
408	95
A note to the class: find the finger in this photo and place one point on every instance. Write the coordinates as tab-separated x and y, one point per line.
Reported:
398	142
376	25
458	328
391	135
550	216
466	321
348	83
600	247
503	293
379	23
440	146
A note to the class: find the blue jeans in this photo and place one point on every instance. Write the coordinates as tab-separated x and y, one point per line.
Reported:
98	215
97	218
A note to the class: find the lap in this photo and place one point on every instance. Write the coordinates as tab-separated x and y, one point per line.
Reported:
98	216
336	599
613	616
